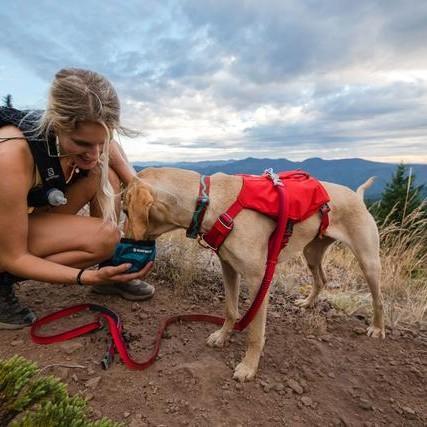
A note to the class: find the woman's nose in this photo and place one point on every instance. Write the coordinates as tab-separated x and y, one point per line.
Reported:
95	151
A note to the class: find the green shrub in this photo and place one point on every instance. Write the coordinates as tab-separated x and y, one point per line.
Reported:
29	399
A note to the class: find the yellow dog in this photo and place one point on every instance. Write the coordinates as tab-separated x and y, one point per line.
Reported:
163	199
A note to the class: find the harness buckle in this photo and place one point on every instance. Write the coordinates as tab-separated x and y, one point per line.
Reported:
273	176
225	217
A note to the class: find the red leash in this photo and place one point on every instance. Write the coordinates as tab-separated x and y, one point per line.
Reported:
114	324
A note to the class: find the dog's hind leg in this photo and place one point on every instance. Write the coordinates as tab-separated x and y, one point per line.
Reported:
364	243
370	264
313	254
232	285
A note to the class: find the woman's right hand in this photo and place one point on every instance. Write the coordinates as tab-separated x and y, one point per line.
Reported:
114	274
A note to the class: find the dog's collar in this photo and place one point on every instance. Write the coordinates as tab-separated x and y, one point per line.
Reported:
202	204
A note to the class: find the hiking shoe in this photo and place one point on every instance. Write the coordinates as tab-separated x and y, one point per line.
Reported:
12	314
135	290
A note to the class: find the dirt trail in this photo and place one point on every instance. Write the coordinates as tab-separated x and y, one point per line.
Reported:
316	370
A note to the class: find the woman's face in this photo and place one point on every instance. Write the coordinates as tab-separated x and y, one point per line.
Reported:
84	144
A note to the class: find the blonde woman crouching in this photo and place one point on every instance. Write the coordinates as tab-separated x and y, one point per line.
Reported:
53	163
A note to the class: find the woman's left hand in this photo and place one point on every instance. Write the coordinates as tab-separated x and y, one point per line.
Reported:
110	274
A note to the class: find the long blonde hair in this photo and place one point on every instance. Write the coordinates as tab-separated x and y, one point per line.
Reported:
78	95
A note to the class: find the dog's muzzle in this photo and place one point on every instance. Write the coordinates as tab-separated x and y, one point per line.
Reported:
136	252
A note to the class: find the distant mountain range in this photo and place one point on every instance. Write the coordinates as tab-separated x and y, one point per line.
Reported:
349	172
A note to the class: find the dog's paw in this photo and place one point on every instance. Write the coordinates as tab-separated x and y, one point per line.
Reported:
305	302
375	332
244	372
217	339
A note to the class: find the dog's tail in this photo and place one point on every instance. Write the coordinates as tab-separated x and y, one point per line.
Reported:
361	189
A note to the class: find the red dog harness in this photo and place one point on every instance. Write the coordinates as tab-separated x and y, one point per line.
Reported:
305	196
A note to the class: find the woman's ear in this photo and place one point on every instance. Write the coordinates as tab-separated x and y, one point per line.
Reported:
138	201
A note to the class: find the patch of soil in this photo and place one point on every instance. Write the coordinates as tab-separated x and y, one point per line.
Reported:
318	369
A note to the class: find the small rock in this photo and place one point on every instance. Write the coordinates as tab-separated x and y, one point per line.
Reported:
126	414
409	412
279	387
70	347
358	330
306	401
75	378
93	383
14	343
365	404
267	388
135	306
89	397
344	421
295	386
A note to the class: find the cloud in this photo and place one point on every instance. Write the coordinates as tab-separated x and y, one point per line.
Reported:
223	79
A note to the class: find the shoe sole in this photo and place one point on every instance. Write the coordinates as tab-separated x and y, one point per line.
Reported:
125	295
11	326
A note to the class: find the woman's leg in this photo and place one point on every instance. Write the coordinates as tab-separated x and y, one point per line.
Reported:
77	241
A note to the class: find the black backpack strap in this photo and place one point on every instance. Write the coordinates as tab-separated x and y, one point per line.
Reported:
49	168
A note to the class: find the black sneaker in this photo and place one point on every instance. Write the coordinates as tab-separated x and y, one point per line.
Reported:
12	314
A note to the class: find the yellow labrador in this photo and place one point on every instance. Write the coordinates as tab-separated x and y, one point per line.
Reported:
163	199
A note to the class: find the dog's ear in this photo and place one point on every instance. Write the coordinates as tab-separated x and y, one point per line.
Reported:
137	204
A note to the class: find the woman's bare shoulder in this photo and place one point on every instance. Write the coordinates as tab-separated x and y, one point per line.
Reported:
15	154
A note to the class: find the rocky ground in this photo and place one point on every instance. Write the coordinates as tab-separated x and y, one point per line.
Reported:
318	368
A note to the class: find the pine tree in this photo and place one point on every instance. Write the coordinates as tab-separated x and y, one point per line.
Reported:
400	197
7	101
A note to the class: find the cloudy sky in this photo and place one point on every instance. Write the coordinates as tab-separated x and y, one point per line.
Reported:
226	79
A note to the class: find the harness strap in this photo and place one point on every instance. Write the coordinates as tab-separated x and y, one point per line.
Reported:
222	227
202	204
324	219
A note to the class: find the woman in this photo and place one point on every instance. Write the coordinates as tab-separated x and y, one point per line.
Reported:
54	163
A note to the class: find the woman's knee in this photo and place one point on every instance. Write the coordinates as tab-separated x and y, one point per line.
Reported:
105	242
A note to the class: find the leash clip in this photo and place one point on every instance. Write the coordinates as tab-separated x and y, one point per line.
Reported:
204	244
273	176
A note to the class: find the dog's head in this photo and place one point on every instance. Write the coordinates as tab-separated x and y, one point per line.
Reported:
150	209
137	202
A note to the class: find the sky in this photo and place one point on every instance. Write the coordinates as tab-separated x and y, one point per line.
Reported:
230	79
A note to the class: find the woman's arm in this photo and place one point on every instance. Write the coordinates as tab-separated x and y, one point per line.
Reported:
120	164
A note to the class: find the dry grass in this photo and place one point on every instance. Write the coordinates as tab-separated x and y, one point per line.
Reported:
188	267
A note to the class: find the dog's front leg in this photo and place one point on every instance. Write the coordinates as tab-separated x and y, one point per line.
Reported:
247	368
232	284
